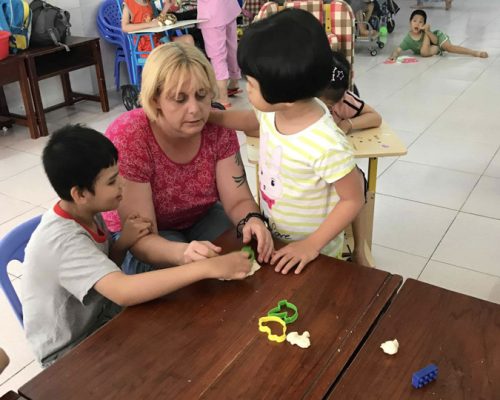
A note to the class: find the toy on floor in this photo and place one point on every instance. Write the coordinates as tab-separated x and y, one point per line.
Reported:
424	376
402	60
390	347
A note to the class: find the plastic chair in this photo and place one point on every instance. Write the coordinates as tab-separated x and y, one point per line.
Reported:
12	248
109	26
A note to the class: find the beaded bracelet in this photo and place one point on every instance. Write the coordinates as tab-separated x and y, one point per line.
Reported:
241	224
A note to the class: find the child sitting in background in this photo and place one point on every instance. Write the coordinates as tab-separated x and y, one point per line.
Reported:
422	41
348	110
310	188
138	15
71	282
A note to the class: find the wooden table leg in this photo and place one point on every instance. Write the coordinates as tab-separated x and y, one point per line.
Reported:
370	205
31	116
101	81
37	98
66	86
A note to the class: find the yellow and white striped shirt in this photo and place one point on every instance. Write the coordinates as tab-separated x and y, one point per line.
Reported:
298	174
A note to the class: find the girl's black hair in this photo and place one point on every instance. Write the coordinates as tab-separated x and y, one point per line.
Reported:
74	156
339	78
288	54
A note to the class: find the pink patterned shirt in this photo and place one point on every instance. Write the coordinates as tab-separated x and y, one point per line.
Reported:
182	193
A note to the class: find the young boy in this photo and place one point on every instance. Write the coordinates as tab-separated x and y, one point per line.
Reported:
70	286
309	187
422	41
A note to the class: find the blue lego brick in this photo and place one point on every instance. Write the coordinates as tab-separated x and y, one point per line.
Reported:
424	376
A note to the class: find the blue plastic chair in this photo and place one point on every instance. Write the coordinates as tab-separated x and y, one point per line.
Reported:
110	29
12	248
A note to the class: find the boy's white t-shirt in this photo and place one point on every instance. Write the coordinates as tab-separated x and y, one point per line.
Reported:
63	261
297	174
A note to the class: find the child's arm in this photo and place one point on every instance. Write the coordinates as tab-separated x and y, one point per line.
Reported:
240	120
433	38
127	26
128	290
368	118
134	228
395	54
351	193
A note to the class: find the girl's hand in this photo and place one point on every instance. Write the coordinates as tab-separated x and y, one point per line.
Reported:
265	246
134	228
234	265
196	251
297	254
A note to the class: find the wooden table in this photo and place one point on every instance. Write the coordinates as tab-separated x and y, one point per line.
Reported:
50	61
203	341
13	69
368	143
458	333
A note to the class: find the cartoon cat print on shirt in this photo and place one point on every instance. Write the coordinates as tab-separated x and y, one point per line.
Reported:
271	187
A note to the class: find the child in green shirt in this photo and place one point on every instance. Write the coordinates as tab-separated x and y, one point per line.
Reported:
422	41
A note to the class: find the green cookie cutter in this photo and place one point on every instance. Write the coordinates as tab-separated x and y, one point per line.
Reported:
249	250
277	312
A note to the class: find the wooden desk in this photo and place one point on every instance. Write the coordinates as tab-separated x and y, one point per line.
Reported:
203	341
368	143
13	69
458	333
50	61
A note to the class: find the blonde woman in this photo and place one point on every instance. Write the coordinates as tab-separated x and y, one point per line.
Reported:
183	173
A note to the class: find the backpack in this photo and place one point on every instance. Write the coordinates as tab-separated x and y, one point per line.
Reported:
50	24
15	17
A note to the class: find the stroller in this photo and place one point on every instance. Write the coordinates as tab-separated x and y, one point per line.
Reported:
383	15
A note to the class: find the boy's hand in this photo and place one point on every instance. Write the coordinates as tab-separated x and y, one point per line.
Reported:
265	246
134	228
426	28
300	252
234	265
199	250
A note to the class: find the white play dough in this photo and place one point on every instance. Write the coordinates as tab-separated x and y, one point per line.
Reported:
255	267
300	340
390	347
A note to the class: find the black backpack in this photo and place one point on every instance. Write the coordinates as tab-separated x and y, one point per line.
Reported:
50	24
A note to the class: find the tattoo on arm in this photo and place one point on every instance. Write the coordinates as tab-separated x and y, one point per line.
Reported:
239	180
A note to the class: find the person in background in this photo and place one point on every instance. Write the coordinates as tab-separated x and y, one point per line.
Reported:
220	38
138	15
422	41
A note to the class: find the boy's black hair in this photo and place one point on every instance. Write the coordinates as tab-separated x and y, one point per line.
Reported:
74	156
419	12
288	54
339	78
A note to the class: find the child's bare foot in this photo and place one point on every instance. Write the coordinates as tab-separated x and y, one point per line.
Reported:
481	54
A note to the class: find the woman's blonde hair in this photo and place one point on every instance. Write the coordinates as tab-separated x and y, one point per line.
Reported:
168	67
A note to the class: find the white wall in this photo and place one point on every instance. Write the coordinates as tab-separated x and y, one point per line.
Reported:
83	23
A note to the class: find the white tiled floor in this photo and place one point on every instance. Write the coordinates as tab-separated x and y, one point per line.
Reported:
437	214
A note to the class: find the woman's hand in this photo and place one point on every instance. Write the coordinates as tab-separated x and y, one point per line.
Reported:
134	228
199	250
265	246
300	252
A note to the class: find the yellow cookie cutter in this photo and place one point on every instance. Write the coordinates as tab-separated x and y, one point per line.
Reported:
267	329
